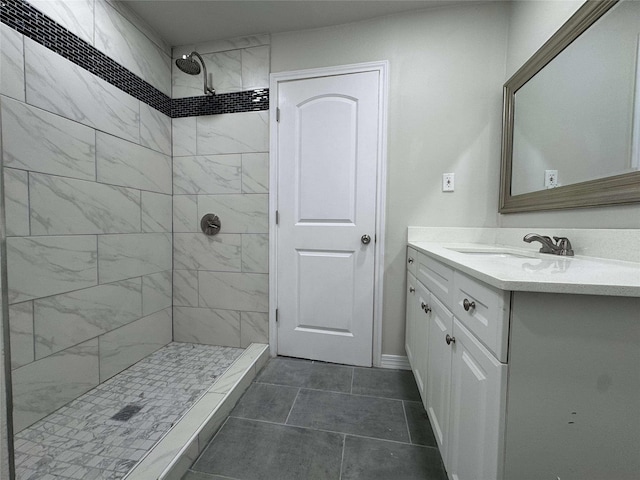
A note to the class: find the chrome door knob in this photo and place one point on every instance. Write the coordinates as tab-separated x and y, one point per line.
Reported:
365	239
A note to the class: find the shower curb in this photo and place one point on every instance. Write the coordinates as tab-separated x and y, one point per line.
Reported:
170	458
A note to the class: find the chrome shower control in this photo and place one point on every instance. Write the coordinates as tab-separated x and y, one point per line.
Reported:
210	224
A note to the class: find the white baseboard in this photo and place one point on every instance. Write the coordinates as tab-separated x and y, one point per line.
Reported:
398	362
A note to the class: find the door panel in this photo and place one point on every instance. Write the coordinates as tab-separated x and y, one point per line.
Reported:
325	163
439	373
327	177
478	394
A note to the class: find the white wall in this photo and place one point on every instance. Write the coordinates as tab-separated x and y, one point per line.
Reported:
446	72
531	23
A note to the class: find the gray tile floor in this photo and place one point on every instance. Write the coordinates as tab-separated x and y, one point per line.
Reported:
303	420
82	441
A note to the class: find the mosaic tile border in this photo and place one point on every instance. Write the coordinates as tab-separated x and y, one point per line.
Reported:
30	22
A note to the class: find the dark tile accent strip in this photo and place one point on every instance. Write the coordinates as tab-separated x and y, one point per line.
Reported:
247	101
29	21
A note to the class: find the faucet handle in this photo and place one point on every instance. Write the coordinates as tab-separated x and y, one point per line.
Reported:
564	245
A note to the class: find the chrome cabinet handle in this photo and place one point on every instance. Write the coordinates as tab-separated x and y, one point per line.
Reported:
449	339
425	307
410	260
412	290
468	305
422	305
365	239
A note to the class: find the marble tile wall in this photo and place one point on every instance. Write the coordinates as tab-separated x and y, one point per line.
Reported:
221	166
88	196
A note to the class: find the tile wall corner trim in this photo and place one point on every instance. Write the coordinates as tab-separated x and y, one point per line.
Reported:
21	16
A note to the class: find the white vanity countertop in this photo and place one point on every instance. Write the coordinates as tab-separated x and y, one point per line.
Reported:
509	268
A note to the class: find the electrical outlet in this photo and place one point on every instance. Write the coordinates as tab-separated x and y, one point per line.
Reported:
551	178
447	182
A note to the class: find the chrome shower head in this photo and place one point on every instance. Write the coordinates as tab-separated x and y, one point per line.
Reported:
190	66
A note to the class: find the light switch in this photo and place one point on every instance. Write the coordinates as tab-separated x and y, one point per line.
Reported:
551	178
447	182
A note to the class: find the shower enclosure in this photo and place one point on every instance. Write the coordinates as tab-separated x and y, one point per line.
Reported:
116	307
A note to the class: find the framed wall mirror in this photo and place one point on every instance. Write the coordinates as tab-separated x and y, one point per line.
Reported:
571	122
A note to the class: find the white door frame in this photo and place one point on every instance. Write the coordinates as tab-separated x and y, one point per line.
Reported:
382	67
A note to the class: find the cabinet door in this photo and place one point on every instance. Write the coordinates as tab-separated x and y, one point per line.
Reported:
410	316
478	394
439	373
419	338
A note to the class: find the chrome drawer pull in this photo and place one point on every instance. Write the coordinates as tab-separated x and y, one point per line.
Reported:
427	309
468	305
412	290
449	339
410	260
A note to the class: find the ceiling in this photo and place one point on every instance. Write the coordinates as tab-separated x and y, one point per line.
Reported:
184	22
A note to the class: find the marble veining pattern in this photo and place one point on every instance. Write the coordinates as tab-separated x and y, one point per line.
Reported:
184	136
59	86
255	67
205	325
185	288
128	164
185	213
156	212
255	173
156	292
39	141
233	133
16	202
65	206
76	16
155	129
255	253
211	174
192	251
128	46
133	255
234	291
80	441
21	334
254	328
61	321
42	266
12	61
124	346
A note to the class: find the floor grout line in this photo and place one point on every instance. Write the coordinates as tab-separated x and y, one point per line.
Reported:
292	405
337	391
344	445
406	422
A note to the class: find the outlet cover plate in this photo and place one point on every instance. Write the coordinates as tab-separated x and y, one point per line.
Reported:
447	182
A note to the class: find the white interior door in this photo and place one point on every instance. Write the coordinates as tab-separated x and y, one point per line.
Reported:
327	167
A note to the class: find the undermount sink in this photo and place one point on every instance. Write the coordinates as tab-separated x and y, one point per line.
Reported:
492	252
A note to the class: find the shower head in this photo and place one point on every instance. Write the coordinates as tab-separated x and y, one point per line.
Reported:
189	65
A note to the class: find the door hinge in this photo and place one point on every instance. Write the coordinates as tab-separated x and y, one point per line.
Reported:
277	114
277	315
277	217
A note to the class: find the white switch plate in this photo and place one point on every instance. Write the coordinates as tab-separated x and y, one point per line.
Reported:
447	182
551	178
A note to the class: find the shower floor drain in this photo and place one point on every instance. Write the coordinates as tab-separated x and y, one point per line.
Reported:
126	413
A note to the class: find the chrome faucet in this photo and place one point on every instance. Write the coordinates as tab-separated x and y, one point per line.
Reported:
561	247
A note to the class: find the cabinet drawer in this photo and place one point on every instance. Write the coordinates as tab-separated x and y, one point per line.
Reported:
484	310
436	276
412	260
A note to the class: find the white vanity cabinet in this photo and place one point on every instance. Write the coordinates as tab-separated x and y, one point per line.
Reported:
416	330
566	365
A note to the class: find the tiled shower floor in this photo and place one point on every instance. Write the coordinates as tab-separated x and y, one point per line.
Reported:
82	441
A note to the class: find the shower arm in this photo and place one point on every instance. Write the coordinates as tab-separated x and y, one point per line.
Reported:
207	88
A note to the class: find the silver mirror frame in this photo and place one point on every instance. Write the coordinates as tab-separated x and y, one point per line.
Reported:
614	190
